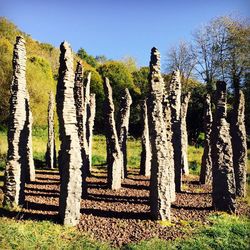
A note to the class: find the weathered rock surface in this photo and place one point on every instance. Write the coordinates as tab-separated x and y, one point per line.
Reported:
18	130
239	143
145	164
160	199
175	106
91	122
169	134
114	156
184	135
70	161
223	193
206	164
51	146
122	128
30	174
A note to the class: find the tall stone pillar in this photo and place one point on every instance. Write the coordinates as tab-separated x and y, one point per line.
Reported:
145	164
114	156
70	159
92	105
175	106
206	163
122	128
51	146
160	198
184	135
16	166
239	143
31	175
169	133
223	194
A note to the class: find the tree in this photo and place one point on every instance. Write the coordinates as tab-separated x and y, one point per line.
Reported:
182	58
87	58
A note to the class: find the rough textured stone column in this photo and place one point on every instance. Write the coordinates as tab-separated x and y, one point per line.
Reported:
184	135
114	156
206	163
122	128
145	164
223	194
51	146
17	130
169	134
30	175
70	160
160	199
86	118
175	106
238	133
92	105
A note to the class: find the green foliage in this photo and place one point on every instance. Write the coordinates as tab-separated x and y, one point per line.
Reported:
140	78
87	58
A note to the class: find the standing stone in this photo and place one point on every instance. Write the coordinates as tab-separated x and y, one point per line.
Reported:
16	166
223	194
160	200
169	134
184	135
206	163
122	128
239	143
175	106
86	119
70	152
114	156
92	105
30	175
145	165
51	146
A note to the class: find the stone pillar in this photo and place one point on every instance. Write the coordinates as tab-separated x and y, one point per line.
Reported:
51	147
169	134
160	199
15	171
145	165
114	156
206	163
122	128
87	114
239	143
31	175
184	135
70	159
223	194
175	106
92	105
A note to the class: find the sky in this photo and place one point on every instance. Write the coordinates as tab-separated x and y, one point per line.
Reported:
117	28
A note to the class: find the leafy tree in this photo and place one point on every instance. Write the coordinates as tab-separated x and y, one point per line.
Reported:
101	59
87	58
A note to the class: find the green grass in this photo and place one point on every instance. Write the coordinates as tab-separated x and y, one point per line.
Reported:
194	159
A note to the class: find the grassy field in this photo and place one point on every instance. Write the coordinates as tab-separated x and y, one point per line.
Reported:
223	232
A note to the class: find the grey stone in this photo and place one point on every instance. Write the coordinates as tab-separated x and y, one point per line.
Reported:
51	146
19	128
175	106
169	133
92	105
70	160
239	143
184	135
114	156
206	163
223	194
160	195
145	164
122	128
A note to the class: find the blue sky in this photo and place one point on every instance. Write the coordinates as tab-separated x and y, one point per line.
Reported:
117	28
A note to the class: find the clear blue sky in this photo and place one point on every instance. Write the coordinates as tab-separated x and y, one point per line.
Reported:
117	28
